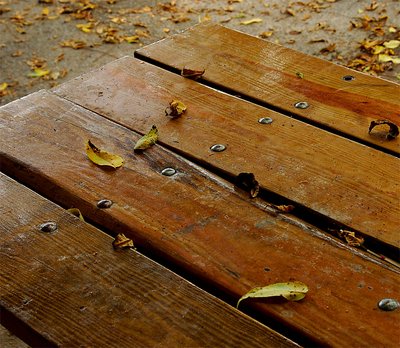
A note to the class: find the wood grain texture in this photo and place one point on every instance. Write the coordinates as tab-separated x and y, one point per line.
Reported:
348	182
74	289
198	223
266	72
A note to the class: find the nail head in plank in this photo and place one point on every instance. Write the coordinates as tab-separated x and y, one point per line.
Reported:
197	223
348	182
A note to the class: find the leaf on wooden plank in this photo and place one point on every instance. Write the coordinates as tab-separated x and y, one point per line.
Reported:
351	238
393	130
292	291
251	21
175	109
300	75
121	242
147	140
248	182
102	158
284	208
76	212
192	74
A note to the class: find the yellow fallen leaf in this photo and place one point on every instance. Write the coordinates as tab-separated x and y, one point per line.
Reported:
121	242
384	58
251	21
392	44
102	158
147	140
131	39
76	212
38	72
292	291
175	108
3	86
86	28
378	49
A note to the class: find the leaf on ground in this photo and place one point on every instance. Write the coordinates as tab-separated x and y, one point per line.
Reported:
251	21
192	74
292	291
147	140
248	182
102	158
75	44
384	58
351	238
76	212
393	130
121	242
38	73
3	86
175	109
392	44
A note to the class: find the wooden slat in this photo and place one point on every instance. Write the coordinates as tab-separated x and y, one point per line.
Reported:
74	289
266	72
348	182
198	222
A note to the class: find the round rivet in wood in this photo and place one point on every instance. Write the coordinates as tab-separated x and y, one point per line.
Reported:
168	171
388	304
348	78
104	204
301	105
265	120
218	148
48	227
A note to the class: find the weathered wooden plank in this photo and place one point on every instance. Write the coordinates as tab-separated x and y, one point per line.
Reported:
348	182
266	72
74	289
198	222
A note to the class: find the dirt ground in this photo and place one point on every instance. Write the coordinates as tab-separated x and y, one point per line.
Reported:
46	42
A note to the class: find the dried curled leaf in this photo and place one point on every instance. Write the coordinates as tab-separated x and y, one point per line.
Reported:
284	208
76	212
292	291
121	242
175	109
248	182
351	238
192	74
147	140
102	158
393	131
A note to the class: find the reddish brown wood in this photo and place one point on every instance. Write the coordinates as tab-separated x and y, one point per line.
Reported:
75	290
267	72
197	222
348	182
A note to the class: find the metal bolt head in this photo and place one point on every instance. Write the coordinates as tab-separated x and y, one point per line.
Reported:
48	227
104	204
265	120
218	148
301	105
348	78
168	171
388	304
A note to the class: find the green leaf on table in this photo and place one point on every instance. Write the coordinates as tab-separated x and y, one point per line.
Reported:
147	140
101	157
292	291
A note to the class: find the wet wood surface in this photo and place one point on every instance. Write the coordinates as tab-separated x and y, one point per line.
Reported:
75	290
353	184
192	220
268	74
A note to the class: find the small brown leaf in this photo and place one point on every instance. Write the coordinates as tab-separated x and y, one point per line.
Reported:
393	130
192	74
176	108
248	182
121	242
284	208
351	238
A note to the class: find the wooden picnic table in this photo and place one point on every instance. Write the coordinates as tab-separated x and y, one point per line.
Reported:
327	212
